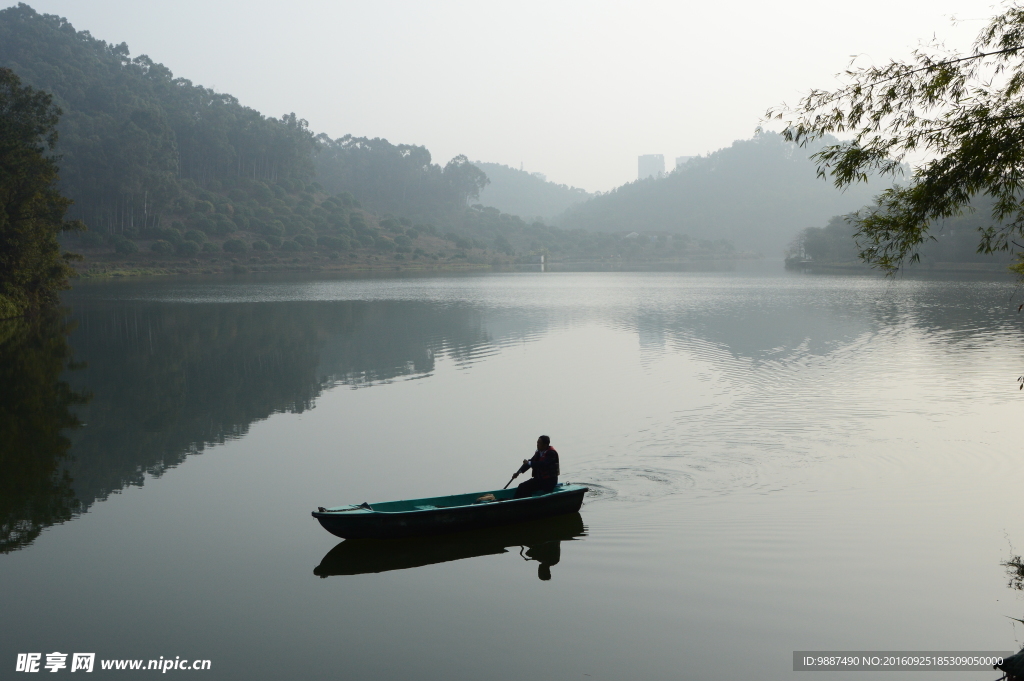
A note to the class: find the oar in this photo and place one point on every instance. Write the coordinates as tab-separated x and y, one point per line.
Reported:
510	480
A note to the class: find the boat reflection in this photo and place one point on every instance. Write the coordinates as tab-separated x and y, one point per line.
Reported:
539	541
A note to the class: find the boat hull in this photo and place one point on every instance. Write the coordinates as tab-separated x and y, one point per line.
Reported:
367	523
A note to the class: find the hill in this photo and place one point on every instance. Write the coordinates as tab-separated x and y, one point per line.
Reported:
756	193
166	173
527	194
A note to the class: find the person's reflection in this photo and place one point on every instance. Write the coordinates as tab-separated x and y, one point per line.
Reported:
539	541
547	554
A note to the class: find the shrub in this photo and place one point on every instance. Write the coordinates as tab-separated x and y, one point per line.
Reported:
338	221
162	247
305	240
168	234
299	225
290	246
195	235
234	246
202	223
333	243
260	246
260	191
126	247
92	239
403	240
274	241
187	248
219	226
210	247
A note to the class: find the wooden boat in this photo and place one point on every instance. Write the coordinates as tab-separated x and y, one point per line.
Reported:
539	539
439	515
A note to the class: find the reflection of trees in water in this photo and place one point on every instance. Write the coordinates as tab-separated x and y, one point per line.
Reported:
766	323
369	343
170	379
539	541
34	411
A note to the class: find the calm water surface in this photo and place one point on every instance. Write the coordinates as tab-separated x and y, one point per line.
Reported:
777	463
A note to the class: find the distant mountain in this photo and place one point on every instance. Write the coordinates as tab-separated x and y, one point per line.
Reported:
758	193
528	195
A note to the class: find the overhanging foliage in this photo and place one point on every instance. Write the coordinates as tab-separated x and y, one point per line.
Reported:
962	112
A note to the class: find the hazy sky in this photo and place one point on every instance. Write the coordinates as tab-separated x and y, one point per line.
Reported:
575	90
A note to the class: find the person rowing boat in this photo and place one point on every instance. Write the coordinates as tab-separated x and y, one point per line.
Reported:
544	463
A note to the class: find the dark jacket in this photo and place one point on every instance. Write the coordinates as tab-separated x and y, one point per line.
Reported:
544	464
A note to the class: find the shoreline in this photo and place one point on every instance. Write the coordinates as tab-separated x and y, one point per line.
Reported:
108	266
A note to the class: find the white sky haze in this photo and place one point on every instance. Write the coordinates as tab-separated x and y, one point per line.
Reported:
576	90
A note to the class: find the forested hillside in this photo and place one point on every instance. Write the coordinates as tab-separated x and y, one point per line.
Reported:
396	179
955	240
525	194
164	170
133	137
756	193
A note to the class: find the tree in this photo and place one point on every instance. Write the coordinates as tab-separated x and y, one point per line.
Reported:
32	267
464	179
963	113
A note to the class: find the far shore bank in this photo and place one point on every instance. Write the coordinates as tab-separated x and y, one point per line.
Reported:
110	266
923	268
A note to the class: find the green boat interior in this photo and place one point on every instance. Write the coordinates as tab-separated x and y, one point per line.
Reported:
434	503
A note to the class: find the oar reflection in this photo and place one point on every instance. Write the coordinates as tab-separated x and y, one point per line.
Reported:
535	541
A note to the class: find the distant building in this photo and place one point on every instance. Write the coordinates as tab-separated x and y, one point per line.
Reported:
650	165
683	160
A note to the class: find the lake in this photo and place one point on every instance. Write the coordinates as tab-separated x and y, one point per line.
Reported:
777	462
